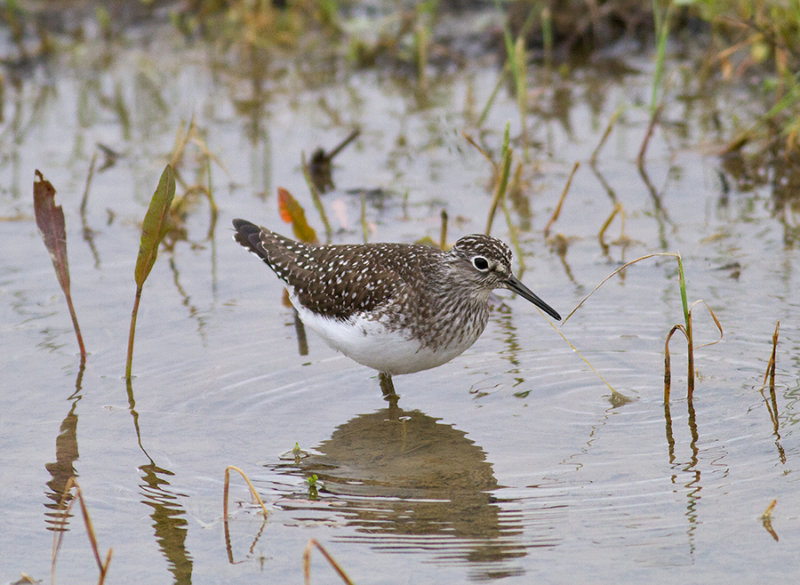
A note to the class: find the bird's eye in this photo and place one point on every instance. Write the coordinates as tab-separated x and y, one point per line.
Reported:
480	263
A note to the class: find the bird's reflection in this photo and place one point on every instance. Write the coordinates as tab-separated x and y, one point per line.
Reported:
407	482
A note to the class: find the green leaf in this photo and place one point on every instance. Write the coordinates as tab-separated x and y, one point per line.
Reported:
155	225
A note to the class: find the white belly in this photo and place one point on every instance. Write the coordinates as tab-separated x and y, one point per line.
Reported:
371	344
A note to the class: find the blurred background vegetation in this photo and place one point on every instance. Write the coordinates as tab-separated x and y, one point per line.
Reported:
748	44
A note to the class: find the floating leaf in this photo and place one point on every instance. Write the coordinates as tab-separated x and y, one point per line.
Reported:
154	226
50	219
292	212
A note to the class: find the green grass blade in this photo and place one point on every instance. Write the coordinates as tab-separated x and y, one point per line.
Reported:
661	23
682	280
501	181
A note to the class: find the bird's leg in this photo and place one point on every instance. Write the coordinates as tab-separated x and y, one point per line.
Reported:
387	387
300	331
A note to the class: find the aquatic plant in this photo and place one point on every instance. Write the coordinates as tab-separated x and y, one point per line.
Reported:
310	545
65	506
154	227
293	213
256	497
313	486
685	327
50	219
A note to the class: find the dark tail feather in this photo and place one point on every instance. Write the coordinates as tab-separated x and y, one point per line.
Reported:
247	234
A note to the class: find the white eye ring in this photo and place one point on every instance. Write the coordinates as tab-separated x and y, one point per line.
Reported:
480	263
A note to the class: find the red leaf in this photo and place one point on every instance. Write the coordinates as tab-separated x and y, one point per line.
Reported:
292	212
285	199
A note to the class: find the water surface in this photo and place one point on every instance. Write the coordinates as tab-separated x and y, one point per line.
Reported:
512	463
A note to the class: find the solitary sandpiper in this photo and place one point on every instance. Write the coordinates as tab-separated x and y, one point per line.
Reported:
397	308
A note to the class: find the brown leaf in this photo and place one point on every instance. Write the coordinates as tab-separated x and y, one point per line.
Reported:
50	219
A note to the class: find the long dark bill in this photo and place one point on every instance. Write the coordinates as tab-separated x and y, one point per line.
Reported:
514	284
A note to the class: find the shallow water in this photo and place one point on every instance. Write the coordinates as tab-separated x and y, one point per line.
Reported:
511	462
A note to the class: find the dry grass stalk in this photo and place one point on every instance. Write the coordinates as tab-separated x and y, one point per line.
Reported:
685	328
616	397
501	173
610	276
618	210
769	377
256	497
478	147
643	149
766	520
614	117
58	536
690	347
564	192
253	491
667	369
307	562
770	373
500	186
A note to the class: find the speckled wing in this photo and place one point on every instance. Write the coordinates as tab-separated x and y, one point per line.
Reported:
336	281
